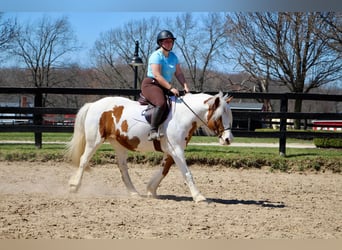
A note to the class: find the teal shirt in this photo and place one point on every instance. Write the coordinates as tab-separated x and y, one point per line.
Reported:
168	64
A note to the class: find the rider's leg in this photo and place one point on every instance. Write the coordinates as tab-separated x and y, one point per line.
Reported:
156	119
154	93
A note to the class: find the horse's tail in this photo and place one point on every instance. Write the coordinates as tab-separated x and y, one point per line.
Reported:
76	145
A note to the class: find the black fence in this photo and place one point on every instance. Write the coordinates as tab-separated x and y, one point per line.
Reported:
34	115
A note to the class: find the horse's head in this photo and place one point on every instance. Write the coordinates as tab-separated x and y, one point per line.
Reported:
220	118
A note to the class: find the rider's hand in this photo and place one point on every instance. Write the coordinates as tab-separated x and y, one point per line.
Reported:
175	91
186	88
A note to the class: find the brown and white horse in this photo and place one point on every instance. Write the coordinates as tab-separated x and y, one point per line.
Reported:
119	121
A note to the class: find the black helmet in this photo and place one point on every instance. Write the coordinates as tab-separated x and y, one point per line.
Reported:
164	34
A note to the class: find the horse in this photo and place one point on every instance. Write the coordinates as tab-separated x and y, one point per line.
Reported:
120	121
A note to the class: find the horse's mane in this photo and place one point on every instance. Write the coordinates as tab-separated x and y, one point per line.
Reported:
211	100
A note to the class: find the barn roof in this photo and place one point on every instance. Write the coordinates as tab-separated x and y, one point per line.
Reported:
246	106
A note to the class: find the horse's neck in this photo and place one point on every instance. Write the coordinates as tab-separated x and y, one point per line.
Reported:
196	105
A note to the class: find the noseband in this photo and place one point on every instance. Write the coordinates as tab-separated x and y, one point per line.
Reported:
225	129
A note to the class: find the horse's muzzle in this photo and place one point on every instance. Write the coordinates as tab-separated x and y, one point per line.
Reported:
224	142
227	141
226	138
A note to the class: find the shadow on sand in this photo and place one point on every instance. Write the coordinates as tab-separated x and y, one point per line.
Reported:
262	203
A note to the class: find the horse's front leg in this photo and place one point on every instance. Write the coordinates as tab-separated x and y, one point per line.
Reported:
179	158
159	176
196	195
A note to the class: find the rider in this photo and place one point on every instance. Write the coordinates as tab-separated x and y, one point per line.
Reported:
162	65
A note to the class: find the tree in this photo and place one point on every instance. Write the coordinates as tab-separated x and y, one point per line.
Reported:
334	20
285	48
7	33
44	46
200	42
114	50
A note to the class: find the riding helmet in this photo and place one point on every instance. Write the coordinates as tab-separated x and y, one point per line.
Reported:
165	34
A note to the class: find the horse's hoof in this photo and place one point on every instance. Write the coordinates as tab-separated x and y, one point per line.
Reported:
151	195
73	188
134	194
200	198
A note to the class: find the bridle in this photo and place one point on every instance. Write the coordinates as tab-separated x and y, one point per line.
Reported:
219	133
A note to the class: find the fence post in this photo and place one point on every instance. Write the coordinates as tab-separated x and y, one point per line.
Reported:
38	119
282	127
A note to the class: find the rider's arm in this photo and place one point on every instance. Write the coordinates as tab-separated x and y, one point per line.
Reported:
181	79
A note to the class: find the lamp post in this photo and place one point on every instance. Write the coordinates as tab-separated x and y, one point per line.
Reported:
136	62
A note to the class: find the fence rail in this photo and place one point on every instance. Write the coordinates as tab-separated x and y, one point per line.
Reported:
38	111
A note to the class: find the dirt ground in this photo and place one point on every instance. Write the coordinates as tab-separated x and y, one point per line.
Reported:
255	204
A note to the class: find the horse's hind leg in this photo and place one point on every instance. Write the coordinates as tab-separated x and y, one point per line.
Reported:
75	180
122	154
159	176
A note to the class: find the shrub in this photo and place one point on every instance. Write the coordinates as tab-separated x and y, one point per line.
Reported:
328	142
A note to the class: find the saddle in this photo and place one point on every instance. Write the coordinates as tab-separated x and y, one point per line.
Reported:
149	109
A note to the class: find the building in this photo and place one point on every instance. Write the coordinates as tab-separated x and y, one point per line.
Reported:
241	123
11	118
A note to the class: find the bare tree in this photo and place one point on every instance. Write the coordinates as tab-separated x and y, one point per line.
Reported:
334	20
114	50
285	48
44	46
8	32
200	42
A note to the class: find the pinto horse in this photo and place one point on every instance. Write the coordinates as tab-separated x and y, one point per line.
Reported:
120	121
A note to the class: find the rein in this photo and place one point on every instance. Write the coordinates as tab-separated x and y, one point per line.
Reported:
200	117
193	111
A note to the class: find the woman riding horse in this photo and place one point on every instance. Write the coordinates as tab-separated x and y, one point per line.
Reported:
162	65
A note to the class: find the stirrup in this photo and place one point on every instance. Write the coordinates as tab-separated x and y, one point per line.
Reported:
154	135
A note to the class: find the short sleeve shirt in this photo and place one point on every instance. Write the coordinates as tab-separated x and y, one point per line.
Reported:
168	64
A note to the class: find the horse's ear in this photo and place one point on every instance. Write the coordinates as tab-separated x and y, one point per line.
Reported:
228	100
216	103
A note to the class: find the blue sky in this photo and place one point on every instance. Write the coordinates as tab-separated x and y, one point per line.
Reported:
119	5
89	25
91	17
172	5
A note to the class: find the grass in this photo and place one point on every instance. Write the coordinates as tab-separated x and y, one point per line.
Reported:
313	159
64	137
26	136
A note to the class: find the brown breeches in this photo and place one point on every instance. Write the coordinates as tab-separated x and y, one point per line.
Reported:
153	92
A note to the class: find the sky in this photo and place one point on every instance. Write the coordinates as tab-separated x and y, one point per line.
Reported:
89	25
171	5
89	18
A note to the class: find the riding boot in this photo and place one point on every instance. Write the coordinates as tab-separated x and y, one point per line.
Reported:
156	118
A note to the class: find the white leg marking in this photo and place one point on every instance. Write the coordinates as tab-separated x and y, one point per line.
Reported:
122	164
154	183
75	181
196	195
181	163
